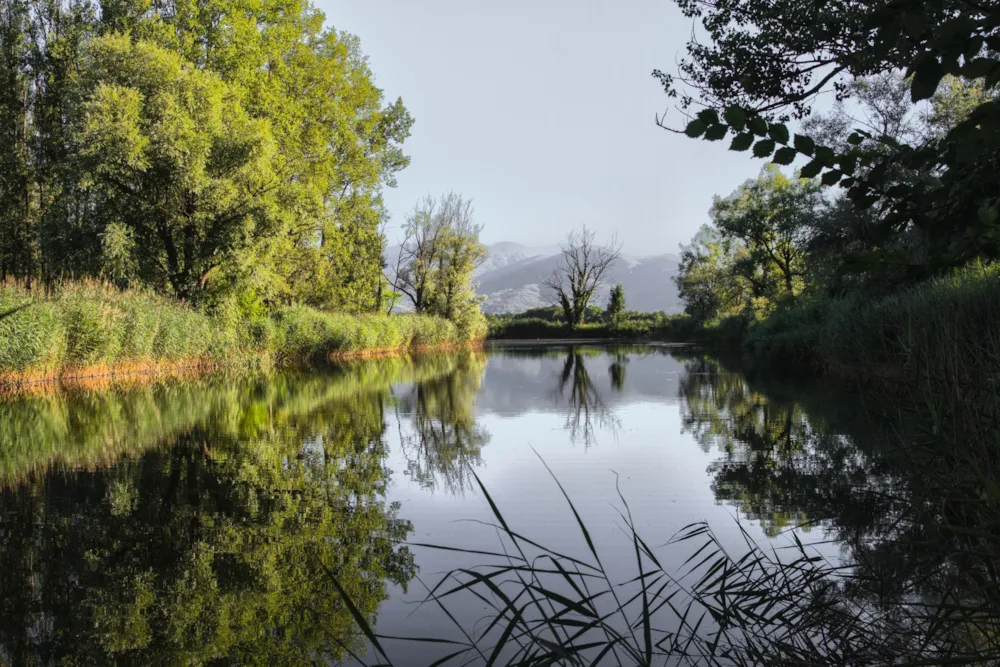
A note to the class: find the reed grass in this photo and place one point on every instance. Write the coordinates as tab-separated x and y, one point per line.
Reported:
91	327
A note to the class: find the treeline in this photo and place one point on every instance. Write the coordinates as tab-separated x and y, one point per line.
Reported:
789	263
230	156
232	152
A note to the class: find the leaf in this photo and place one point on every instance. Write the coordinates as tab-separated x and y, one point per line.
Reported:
855	139
804	144
709	116
784	155
736	117
825	155
695	128
848	163
741	142
926	77
758	126
779	133
763	148
811	170
716	132
831	177
915	22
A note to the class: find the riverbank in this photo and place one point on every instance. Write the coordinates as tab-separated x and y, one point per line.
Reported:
92	330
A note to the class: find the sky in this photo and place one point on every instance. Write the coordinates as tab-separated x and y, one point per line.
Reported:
543	113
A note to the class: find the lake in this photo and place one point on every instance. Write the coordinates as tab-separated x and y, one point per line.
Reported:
226	518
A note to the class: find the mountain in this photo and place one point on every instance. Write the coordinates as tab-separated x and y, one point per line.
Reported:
511	279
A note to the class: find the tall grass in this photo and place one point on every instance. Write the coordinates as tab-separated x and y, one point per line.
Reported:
752	607
945	332
91	327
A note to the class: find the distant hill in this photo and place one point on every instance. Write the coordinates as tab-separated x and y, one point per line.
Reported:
511	279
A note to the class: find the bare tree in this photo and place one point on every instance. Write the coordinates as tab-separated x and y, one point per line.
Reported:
581	272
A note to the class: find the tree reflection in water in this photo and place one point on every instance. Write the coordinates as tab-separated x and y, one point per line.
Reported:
441	441
215	545
586	410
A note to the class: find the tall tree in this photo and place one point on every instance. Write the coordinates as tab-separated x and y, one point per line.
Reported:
764	63
771	217
437	259
583	265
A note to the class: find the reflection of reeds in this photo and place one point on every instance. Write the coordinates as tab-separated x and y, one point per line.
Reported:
93	421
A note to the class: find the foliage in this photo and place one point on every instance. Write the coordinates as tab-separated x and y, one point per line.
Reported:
437	259
96	327
754	256
229	156
616	304
766	63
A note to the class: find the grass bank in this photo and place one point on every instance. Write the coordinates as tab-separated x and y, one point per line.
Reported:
87	329
945	332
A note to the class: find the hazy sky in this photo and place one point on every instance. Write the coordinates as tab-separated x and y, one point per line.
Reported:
542	112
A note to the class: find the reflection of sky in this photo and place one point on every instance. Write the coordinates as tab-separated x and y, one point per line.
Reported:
661	472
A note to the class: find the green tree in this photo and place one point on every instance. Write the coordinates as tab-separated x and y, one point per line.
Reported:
616	304
437	260
771	217
763	64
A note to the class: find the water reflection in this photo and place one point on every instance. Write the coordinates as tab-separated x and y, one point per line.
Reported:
440	439
199	521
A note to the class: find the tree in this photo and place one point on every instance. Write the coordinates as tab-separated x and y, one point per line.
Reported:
616	304
437	259
582	268
707	280
770	217
765	63
233	154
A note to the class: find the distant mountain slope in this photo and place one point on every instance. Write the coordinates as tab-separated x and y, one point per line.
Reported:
514	283
511	279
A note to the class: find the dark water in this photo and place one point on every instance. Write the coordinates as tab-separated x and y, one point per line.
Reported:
187	523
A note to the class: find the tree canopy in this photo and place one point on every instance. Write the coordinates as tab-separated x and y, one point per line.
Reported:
232	151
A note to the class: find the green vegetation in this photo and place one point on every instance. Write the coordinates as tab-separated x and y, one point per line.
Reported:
548	323
93	327
232	159
437	259
891	272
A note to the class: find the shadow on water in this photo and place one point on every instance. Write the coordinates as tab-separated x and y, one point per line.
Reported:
227	520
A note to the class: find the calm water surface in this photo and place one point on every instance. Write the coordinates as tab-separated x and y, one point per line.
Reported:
192	522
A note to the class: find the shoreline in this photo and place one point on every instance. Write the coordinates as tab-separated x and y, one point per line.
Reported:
97	377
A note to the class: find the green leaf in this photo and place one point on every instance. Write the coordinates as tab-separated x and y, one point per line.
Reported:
758	126
811	170
736	117
855	139
741	142
825	155
926	77
804	144
709	116
831	177
695	128
763	148
779	133
915	22
784	155
716	132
